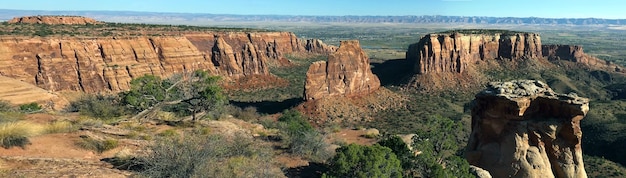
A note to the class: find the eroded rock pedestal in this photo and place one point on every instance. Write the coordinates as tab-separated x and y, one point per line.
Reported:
346	73
524	129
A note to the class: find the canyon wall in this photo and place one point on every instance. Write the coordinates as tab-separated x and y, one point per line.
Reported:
454	52
346	73
524	129
105	64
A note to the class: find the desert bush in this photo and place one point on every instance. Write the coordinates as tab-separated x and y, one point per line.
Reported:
17	133
301	138
247	114
98	106
97	145
292	122
208	156
86	121
364	161
371	133
310	145
5	106
30	107
168	133
166	116
61	127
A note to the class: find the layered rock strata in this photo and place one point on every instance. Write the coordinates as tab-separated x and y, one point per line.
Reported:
54	20
318	46
524	129
346	73
106	64
575	53
454	52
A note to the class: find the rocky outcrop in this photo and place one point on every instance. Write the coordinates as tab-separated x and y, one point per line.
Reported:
317	46
524	129
106	64
346	73
572	53
479	172
575	53
54	20
454	52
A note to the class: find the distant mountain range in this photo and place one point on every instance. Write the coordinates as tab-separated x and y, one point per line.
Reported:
192	18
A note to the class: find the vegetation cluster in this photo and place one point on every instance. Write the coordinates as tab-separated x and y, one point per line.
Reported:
110	29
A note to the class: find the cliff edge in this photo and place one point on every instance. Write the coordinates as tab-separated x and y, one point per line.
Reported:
107	64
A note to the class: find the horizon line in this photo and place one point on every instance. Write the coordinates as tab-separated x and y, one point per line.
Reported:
2	9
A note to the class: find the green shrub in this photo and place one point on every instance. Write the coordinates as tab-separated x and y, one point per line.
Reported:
402	151
440	150
293	122
301	138
98	106
30	107
145	92
364	161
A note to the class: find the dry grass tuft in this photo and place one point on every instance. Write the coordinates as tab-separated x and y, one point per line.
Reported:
60	127
17	133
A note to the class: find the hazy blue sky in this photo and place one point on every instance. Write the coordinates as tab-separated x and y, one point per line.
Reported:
498	8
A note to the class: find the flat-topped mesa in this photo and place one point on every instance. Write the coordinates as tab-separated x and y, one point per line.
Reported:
54	20
524	129
107	64
456	50
346	73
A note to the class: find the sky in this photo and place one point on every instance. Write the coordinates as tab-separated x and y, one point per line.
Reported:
612	9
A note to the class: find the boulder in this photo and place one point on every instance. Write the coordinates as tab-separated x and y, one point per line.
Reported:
479	172
522	128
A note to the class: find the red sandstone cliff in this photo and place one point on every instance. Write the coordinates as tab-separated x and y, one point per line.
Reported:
454	52
524	129
576	54
54	20
108	63
346	73
317	46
